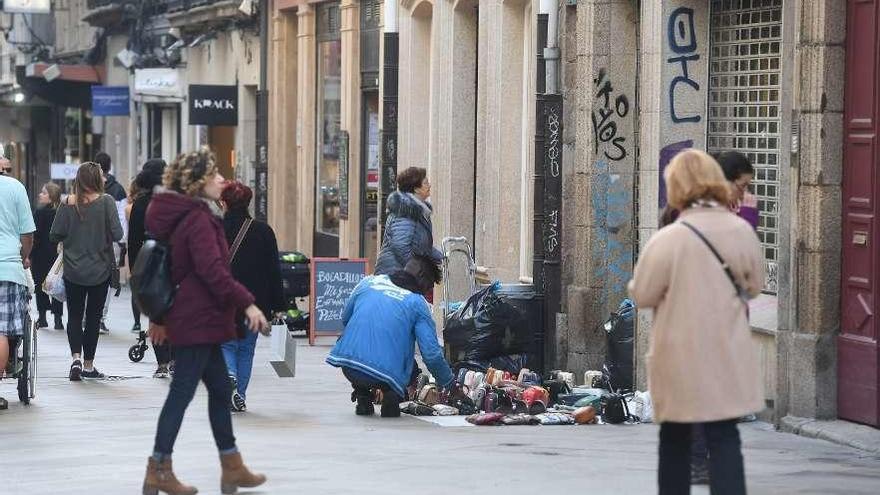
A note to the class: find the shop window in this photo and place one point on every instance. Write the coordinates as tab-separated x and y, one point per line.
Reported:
329	72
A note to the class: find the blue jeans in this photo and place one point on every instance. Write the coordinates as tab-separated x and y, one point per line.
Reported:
239	355
194	363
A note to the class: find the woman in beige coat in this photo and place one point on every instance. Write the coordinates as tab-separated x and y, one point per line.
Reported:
701	364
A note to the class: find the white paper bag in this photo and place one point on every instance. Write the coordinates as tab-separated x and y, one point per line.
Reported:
53	286
283	352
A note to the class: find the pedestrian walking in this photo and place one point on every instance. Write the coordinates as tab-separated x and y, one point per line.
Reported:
201	318
255	264
696	275
115	190
16	241
87	225
142	192
408	229
44	254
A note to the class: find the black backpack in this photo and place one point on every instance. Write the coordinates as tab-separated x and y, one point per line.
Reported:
151	285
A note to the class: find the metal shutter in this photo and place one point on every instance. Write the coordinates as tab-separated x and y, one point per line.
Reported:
744	103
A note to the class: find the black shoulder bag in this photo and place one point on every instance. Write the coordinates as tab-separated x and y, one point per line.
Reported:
740	291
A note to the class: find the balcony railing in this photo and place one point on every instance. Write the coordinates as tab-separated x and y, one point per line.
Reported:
181	5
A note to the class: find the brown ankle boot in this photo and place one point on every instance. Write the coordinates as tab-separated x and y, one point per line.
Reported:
236	474
160	478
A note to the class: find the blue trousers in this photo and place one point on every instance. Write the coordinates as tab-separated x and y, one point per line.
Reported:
239	355
192	364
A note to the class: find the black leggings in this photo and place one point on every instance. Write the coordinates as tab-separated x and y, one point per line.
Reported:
726	473
88	300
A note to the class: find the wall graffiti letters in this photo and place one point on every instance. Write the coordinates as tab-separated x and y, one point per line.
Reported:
553	149
605	129
683	42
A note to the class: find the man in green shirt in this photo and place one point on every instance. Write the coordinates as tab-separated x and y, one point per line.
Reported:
16	239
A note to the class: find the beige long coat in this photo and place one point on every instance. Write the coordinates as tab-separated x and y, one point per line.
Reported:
701	363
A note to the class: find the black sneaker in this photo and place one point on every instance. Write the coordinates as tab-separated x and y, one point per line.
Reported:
103	329
161	372
238	404
75	370
92	374
42	323
59	324
136	328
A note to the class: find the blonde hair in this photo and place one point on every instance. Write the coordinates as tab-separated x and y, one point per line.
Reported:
53	190
188	173
693	175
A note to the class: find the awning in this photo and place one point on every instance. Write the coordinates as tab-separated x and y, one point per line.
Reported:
72	87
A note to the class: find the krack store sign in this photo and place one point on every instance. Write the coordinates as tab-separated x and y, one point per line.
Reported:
213	105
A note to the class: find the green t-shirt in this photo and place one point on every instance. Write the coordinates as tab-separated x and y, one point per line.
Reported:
16	220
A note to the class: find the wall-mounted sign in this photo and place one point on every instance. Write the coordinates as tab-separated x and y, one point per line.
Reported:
158	82
110	101
63	171
343	175
28	6
213	105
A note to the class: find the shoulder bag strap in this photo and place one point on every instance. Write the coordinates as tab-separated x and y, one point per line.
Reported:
239	238
740	292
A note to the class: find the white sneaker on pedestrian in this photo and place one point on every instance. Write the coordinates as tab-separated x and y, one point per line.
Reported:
103	329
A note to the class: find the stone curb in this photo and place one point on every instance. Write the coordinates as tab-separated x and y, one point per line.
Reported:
837	431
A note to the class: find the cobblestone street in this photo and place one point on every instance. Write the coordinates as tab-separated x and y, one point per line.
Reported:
95	437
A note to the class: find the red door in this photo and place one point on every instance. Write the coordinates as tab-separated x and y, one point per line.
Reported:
857	352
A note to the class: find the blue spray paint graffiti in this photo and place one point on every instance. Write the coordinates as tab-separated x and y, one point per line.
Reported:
682	41
666	155
611	201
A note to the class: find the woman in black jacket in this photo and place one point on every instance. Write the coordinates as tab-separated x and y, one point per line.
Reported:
147	180
255	264
45	252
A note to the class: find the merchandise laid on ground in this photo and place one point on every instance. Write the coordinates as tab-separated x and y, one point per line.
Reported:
495	341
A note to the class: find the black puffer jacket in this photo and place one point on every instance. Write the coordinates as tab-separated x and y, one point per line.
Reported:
407	233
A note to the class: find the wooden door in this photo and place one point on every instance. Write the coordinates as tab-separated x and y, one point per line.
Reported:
221	140
858	369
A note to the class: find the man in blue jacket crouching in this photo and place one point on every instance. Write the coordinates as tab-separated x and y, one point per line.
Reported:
383	318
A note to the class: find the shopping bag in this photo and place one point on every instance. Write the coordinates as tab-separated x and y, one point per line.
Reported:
282	352
53	285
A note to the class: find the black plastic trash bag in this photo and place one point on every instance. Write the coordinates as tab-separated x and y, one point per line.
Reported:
619	329
512	364
487	326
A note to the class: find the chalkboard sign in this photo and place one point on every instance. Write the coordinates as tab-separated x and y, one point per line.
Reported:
333	281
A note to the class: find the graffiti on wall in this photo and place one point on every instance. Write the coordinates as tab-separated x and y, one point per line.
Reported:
552	180
666	155
605	115
682	40
611	202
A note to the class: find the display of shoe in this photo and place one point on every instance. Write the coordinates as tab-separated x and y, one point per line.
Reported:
42	323
92	374
161	371
103	329
136	328
75	370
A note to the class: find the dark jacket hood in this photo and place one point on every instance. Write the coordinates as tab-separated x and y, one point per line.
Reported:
403	205
167	209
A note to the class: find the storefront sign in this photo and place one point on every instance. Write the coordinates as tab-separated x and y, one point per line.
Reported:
63	171
108	101
333	281
158	82
343	175
28	6
213	105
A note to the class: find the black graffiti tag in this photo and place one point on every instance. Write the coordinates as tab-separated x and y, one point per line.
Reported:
604	125
683	42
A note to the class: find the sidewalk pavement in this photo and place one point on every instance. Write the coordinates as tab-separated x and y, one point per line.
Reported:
94	437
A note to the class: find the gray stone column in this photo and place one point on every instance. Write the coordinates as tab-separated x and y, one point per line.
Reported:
810	316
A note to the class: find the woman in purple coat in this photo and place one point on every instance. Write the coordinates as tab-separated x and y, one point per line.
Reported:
201	318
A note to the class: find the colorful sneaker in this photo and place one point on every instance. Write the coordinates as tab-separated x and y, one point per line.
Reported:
238	403
75	370
92	374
